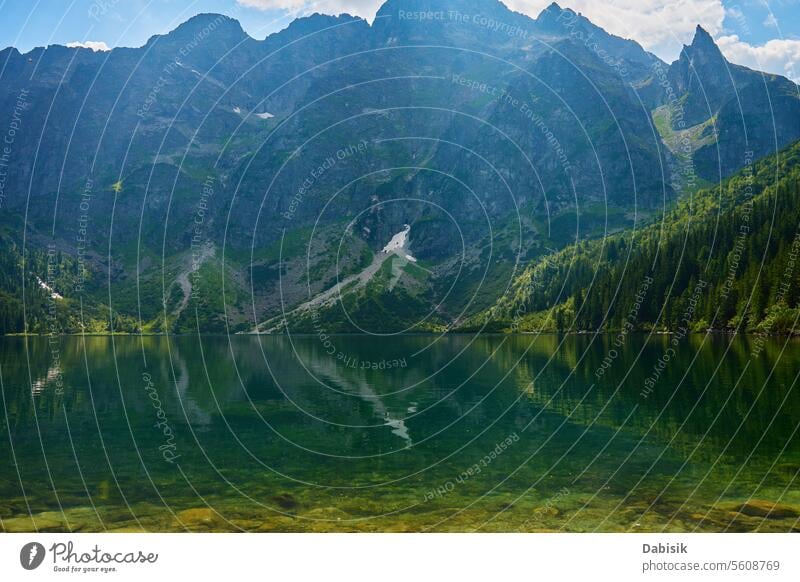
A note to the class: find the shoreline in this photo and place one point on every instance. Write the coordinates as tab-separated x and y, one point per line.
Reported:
411	334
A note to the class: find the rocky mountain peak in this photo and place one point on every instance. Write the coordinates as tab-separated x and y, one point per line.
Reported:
703	50
553	17
206	24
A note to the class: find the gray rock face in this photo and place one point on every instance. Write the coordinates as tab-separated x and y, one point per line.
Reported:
479	114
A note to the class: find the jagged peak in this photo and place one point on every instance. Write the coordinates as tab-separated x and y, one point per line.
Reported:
312	23
701	34
702	43
554	18
553	9
317	20
485	7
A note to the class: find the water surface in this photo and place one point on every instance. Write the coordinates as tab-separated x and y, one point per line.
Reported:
413	433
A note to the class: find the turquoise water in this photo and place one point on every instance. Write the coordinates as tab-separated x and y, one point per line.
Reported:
412	433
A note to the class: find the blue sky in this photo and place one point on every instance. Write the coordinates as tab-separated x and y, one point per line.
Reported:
758	33
31	23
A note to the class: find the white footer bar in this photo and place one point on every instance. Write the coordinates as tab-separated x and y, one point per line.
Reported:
400	557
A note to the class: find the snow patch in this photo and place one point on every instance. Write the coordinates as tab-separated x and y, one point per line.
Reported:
53	293
398	241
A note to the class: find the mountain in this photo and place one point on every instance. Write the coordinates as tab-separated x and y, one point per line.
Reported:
213	181
625	55
725	258
727	112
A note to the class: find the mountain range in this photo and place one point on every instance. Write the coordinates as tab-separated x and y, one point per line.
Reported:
215	182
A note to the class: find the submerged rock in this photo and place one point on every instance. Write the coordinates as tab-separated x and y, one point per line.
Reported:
203	517
31	524
767	509
285	501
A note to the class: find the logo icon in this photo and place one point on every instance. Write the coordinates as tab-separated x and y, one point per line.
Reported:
31	555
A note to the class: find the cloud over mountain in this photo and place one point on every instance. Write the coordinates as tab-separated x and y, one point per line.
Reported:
781	56
365	8
95	45
660	27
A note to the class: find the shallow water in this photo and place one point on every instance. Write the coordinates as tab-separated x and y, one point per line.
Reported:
413	433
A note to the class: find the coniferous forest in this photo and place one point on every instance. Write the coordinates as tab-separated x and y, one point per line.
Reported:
725	258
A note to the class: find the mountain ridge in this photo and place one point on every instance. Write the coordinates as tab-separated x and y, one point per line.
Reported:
752	215
292	154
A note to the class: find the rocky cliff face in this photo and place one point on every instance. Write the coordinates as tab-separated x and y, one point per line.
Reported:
746	113
481	127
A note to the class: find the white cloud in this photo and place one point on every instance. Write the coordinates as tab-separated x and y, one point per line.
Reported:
95	45
272	4
770	21
660	27
781	56
364	8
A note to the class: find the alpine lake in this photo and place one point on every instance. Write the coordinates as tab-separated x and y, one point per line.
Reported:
417	433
